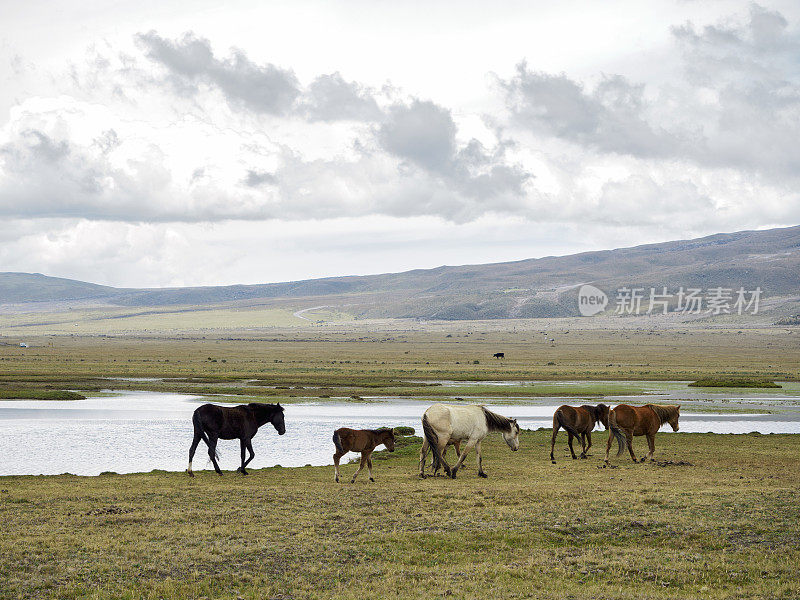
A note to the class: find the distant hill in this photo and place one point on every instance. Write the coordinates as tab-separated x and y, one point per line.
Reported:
544	287
18	288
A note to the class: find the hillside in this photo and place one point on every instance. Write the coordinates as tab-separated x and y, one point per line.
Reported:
544	287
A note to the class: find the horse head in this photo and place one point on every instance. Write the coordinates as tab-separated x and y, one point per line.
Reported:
277	420
673	421
512	435
387	438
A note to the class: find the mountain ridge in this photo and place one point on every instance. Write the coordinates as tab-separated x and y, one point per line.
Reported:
532	287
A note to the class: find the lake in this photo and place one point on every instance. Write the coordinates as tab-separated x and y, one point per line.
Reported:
142	431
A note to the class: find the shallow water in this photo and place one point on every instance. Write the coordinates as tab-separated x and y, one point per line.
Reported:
142	431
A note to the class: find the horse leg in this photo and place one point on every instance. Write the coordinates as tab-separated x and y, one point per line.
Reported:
423	454
212	453
336	458
442	447
479	460
608	445
360	466
461	458
587	437
369	467
629	437
556	426
651	442
570	446
192	449
243	448
250	450
457	446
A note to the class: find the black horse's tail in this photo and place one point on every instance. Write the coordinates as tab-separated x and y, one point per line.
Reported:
622	441
567	427
433	442
337	442
198	427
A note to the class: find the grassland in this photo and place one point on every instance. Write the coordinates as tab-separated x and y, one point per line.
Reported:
734	382
726	525
35	394
367	358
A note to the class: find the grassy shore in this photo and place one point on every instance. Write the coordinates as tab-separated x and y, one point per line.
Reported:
726	525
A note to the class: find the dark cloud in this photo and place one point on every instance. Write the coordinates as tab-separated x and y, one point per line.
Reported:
331	98
422	132
609	118
739	106
256	178
190	63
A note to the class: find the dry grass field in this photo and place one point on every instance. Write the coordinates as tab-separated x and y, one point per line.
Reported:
427	351
726	525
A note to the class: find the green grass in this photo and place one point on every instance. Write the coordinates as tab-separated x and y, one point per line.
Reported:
734	382
6	394
727	525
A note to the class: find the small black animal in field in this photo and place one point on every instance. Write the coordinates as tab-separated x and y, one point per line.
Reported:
360	440
499	355
212	422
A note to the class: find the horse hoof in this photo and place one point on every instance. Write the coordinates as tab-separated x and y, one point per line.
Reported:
189	473
552	461
583	456
574	458
484	475
372	480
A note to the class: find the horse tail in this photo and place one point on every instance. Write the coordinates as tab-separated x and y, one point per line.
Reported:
337	442
622	441
198	427
433	441
567	427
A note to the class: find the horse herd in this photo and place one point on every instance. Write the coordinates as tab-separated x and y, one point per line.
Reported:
463	427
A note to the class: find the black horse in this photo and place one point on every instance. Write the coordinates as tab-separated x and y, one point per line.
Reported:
212	422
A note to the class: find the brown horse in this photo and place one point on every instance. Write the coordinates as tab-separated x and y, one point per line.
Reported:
578	421
360	440
626	421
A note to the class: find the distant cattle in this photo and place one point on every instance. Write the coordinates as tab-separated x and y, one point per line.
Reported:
499	355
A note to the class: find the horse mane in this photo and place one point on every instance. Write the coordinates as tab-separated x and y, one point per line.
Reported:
381	430
496	422
664	412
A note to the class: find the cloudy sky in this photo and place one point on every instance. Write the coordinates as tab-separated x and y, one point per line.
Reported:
147	144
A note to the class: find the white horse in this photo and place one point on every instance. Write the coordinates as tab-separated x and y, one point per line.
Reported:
448	423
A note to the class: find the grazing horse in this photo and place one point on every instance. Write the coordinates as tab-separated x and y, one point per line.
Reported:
445	423
360	440
499	355
626	421
578	421
212	422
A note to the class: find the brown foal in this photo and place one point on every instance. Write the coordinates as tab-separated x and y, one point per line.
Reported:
360	440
